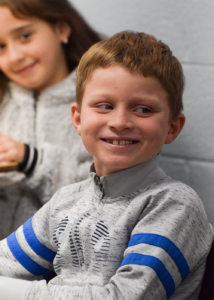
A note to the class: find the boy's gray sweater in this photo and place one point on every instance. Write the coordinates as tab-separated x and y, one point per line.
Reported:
135	234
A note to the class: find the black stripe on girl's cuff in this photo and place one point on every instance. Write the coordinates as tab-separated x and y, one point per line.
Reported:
24	162
30	159
33	164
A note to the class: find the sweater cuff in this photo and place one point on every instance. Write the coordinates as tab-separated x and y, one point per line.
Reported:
13	289
29	161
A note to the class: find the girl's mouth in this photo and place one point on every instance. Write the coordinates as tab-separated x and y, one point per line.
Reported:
119	142
26	69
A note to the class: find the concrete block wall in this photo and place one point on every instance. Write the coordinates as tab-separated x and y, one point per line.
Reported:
188	28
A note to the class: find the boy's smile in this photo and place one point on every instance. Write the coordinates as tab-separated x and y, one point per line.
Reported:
124	119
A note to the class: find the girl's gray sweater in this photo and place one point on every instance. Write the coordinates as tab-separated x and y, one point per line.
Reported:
135	234
44	123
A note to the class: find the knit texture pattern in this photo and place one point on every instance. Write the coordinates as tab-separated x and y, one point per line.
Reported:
43	122
149	243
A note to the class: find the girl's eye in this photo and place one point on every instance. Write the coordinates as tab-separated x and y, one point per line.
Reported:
25	36
106	106
2	46
143	110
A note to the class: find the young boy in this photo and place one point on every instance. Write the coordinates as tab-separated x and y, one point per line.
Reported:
129	232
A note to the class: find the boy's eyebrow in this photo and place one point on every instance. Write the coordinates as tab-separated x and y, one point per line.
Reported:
135	98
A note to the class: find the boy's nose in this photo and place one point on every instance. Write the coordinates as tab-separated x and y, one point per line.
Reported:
120	122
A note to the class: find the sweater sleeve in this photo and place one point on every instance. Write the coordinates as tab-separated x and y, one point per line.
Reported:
25	256
166	254
57	166
29	161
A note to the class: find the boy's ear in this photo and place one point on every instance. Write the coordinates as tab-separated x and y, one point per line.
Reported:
64	31
75	115
175	128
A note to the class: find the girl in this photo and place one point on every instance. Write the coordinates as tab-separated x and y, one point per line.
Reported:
41	42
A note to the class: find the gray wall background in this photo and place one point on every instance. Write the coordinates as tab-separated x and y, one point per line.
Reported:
188	28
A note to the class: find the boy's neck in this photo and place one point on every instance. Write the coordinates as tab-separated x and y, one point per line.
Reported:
128	180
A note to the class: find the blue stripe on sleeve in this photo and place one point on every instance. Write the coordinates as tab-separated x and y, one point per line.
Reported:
167	245
156	265
22	257
35	244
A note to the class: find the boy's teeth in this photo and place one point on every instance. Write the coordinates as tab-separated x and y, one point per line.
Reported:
116	142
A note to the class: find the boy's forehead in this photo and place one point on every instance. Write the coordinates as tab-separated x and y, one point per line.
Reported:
118	73
136	74
110	80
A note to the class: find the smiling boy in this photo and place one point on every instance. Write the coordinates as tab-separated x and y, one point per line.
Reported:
125	119
129	232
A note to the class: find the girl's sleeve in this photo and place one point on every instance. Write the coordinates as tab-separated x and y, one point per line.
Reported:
29	161
166	253
57	166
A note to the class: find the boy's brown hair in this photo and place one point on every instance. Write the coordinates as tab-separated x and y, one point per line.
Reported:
137	52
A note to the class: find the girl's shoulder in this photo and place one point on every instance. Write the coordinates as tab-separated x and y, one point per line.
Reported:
62	92
15	95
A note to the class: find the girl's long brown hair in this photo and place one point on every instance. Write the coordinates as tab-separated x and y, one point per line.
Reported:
53	11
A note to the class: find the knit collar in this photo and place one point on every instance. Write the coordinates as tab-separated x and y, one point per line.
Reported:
61	92
128	180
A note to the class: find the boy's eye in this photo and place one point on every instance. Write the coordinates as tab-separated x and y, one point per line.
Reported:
106	106
143	110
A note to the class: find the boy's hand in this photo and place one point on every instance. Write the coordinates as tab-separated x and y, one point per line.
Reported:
11	150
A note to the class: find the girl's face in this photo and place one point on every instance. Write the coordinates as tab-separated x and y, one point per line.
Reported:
31	52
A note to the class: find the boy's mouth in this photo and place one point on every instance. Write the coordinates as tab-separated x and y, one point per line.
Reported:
119	142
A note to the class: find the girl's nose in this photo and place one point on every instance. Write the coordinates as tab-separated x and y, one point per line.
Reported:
120	121
15	54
